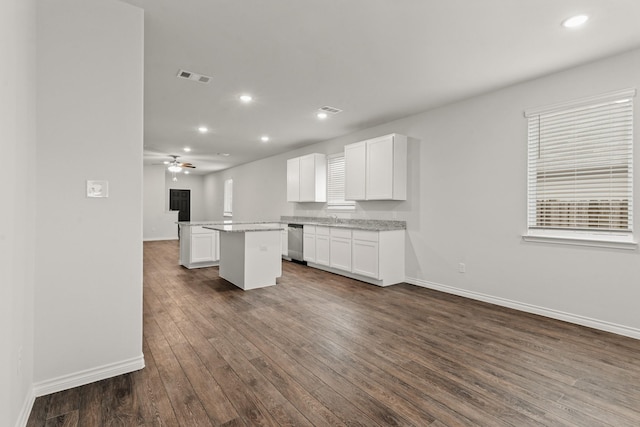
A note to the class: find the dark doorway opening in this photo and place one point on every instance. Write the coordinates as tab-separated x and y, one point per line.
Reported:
180	200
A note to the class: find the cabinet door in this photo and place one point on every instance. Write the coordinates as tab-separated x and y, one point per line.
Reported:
203	247
309	247
340	249
379	183
365	258
307	178
293	180
355	171
322	250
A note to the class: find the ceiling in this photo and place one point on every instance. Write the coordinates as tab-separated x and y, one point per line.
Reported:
377	60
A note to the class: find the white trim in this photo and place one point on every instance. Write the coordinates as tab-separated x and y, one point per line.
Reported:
575	241
529	308
624	93
340	207
153	239
87	376
27	406
349	274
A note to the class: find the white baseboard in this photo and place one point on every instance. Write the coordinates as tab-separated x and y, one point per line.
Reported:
88	376
153	239
529	308
27	405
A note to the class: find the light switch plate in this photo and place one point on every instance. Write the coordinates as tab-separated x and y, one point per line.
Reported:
97	188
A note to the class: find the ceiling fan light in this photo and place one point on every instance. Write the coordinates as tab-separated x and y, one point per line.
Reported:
174	168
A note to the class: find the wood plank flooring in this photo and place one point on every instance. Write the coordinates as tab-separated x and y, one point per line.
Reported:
320	349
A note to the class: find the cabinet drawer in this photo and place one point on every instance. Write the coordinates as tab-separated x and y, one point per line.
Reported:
344	233
369	236
322	231
309	229
200	230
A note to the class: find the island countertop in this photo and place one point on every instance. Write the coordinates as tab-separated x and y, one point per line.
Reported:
222	222
245	227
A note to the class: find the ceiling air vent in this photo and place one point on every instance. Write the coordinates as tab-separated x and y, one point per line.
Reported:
201	78
330	110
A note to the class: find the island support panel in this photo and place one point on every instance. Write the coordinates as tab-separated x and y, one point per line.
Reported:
251	259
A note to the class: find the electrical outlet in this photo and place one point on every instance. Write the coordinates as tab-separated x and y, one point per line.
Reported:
462	268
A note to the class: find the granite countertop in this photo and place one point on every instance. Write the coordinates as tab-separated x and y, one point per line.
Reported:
223	222
358	224
245	227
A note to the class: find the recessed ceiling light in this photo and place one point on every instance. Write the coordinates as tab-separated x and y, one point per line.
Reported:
165	162
321	115
203	129
246	98
575	21
186	149
186	172
264	138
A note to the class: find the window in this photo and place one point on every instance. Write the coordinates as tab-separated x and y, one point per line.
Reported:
228	197
580	169
335	183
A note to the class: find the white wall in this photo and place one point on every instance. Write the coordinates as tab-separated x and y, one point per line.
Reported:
17	214
468	161
258	192
194	183
158	222
88	295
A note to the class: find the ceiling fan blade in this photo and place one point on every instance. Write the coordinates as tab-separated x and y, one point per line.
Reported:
188	166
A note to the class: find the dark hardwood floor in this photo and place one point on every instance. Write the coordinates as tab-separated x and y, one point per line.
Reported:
320	349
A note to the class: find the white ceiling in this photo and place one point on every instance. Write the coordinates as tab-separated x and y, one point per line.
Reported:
378	60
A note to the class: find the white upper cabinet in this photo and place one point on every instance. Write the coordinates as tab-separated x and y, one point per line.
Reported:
376	169
307	178
355	159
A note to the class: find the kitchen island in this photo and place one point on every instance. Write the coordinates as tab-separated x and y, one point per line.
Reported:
250	254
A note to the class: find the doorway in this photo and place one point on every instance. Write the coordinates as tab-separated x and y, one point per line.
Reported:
180	200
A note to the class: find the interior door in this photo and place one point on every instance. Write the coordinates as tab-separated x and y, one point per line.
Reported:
180	200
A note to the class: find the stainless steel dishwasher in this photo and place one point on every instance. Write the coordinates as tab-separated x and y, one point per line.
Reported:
294	240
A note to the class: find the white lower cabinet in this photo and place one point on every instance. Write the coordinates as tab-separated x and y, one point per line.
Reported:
309	243
203	247
322	245
340	249
199	247
375	257
365	254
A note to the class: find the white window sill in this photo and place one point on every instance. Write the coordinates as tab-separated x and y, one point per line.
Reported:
582	241
341	207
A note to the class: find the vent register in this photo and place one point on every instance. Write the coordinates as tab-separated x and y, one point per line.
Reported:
330	110
189	75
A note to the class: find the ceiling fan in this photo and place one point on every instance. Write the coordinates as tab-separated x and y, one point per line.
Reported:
176	166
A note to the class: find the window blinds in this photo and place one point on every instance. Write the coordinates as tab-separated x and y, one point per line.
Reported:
580	172
335	182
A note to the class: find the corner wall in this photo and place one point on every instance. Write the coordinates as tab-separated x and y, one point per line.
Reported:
88	296
17	214
466	203
158	222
